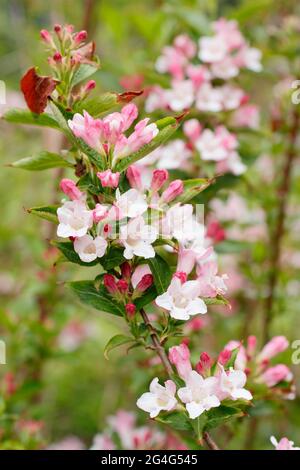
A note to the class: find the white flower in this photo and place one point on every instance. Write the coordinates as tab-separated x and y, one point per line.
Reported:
180	223
89	248
283	444
209	98
132	203
182	300
250	58
210	146
232	385
181	95
173	155
231	97
159	398
199	395
137	238
75	219
225	69
212	49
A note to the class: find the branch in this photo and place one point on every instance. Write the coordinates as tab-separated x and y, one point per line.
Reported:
276	239
168	367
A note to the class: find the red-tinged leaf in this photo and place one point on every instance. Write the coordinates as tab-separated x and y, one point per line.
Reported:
182	116
128	96
36	90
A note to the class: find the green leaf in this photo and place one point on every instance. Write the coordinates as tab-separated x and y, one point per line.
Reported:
93	155
232	359
192	188
161	273
116	341
147	298
218	416
62	122
114	257
42	161
70	254
167	127
83	72
97	298
45	212
22	116
176	420
218	300
98	105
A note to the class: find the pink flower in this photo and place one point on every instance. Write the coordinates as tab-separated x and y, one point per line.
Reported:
192	129
275	346
283	444
246	116
173	190
276	374
181	95
210	283
70	189
180	357
186	260
185	45
142	135
139	272
99	213
109	179
212	49
87	128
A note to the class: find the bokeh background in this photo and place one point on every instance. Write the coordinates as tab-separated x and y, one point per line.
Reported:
54	345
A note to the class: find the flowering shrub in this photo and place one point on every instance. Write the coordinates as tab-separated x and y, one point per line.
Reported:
131	210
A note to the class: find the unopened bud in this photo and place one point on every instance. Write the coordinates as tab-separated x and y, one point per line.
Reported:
80	37
110	283
159	177
130	310
224	357
126	270
122	286
145	283
173	190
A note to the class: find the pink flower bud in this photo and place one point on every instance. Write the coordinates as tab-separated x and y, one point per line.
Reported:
145	283
122	286
275	346
46	36
126	270
181	276
180	357
159	177
130	310
276	374
251	345
69	28
215	231
134	177
57	28
224	357
108	178
204	364
173	190
80	37
110	283
99	213
70	189
89	86
57	57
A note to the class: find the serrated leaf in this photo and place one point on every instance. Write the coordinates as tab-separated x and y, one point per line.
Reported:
161	273
116	341
93	155
67	249
62	122
22	116
114	257
42	161
176	420
45	212
83	72
193	187
97	298
98	105
218	416
167	127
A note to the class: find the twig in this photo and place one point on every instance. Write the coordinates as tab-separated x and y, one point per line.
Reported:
168	367
276	239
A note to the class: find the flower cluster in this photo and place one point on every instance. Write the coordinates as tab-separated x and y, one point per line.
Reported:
258	367
205	388
131	437
203	84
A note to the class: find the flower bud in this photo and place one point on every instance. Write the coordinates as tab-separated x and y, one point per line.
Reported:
159	177
108	178
70	189
181	276
130	310
180	357
46	36
110	283
224	357
89	86
276	374
275	346
173	190
80	37
145	283
57	57
134	177
126	270
122	286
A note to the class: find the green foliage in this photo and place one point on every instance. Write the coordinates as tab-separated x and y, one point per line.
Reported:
42	161
97	298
